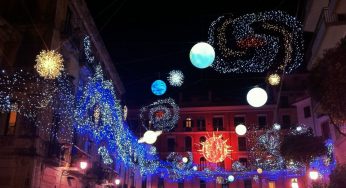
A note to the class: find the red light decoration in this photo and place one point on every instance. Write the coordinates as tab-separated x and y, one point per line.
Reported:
215	149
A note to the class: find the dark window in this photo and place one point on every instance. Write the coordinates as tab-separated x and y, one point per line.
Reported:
202	184
243	161
218	123
161	183
188	143
188	124
201	140
144	182
181	184
221	164
247	183
286	121
202	163
171	144
307	111
262	122
224	185
201	124
325	130
242	143
239	120
284	102
88	146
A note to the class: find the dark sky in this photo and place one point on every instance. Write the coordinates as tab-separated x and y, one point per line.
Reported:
147	39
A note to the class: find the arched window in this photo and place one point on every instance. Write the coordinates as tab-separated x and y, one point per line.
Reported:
188	143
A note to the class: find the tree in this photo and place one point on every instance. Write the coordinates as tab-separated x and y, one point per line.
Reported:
328	83
338	177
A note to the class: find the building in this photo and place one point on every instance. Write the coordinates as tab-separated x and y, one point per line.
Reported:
326	19
29	156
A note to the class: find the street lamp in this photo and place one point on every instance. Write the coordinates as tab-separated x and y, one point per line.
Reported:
117	181
83	165
313	174
295	183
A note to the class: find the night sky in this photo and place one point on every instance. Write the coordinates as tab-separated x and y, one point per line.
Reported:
147	39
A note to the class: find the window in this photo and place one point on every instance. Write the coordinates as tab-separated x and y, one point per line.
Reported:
218	123
284	102
325	130
188	143
221	164
171	144
243	161
239	120
307	112
181	184
286	121
144	182
202	184
262	121
88	146
271	184
11	125
242	143
202	163
161	183
247	183
201	140
188	124
201	124
224	185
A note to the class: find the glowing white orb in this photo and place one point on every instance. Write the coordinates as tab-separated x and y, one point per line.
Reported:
83	165
230	178
117	181
185	159
313	174
259	170
240	129
202	55
257	97
274	79
150	137
299	128
175	78
158	87
194	168
277	126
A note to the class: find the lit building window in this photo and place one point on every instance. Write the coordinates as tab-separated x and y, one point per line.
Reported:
188	123
11	126
271	184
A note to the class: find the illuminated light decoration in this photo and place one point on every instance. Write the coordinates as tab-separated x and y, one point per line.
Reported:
117	181
195	168
83	165
294	183
300	129
257	97
105	155
125	111
175	78
215	149
219	180
163	114
274	79
256	178
158	87
240	129
276	126
185	159
88	51
313	174
202	55
252	43
259	170
150	137
49	64
238	166
325	164
177	169
230	178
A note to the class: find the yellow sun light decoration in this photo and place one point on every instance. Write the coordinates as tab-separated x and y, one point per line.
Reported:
49	64
274	79
215	149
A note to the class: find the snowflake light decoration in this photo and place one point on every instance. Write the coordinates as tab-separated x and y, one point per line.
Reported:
175	78
49	64
215	149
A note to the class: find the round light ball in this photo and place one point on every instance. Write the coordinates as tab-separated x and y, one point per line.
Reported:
185	159
257	97
202	55
277	126
194	168
83	165
259	170
274	79
150	137
230	178
117	181
158	87
49	64
313	174
240	129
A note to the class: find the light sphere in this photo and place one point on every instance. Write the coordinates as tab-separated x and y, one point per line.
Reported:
240	129
313	174
257	97
49	64
230	178
277	126
274	79
150	137
259	170
194	168
117	181
83	165
185	159
158	87
202	55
